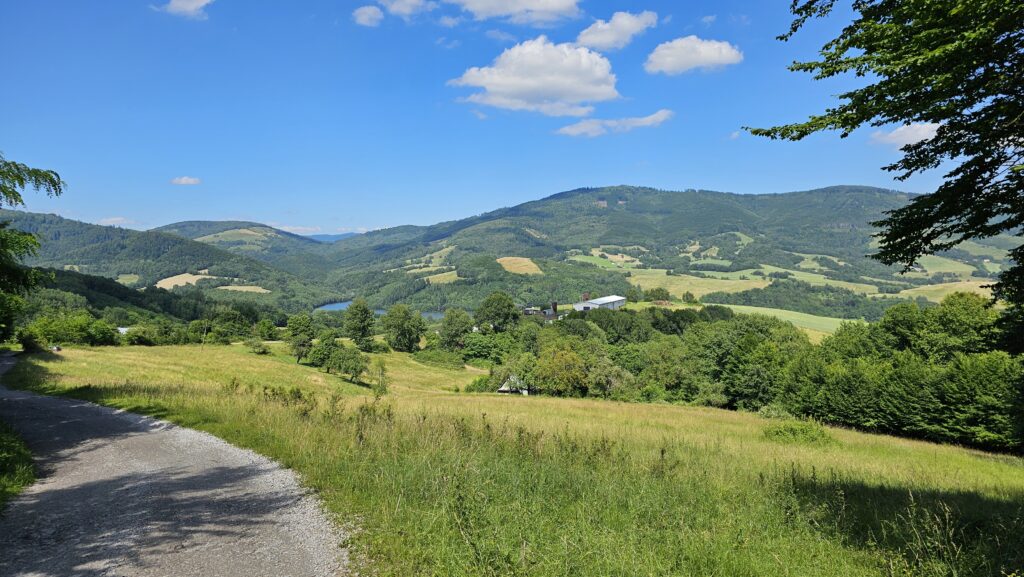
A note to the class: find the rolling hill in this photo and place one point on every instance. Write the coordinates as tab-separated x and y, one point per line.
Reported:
139	259
597	240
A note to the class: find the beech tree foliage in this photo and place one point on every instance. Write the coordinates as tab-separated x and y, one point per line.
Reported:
956	66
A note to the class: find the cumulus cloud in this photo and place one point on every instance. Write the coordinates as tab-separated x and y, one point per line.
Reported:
617	32
520	11
907	134
186	181
709	19
594	127
407	8
187	8
691	52
537	75
368	16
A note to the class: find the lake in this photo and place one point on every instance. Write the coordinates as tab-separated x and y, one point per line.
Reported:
340	306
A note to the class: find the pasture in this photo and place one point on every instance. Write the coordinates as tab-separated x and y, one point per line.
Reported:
519	265
439	482
182	280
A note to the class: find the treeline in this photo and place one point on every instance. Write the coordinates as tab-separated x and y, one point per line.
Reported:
799	296
940	373
73	308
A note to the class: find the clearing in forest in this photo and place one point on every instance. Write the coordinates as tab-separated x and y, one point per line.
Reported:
519	265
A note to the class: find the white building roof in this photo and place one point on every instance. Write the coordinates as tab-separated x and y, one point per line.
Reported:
606	300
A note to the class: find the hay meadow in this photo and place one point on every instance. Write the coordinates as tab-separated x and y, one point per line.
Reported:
434	481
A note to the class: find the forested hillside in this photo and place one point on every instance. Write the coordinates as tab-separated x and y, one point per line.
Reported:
141	259
597	241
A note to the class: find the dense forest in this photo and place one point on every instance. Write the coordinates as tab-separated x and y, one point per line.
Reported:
802	297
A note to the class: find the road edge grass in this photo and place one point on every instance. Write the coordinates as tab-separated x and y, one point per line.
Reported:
16	469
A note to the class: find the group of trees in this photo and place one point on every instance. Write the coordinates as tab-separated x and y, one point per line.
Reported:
943	373
827	301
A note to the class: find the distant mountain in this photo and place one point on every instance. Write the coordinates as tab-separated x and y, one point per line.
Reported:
331	238
145	258
591	240
289	252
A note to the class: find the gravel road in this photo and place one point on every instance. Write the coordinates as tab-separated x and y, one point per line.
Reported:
124	495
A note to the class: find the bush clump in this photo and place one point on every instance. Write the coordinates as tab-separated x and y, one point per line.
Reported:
795	432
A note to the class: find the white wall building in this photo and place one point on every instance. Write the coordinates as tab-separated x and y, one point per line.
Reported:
613	302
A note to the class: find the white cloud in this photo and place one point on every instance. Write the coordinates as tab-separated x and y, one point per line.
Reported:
520	11
500	36
594	127
368	16
618	32
479	115
691	52
187	8
186	181
407	8
906	134
709	19
536	75
449	21
735	134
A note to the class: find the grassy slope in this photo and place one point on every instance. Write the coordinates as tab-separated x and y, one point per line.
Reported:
443	483
16	470
680	284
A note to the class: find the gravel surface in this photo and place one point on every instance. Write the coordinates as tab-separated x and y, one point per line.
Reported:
124	495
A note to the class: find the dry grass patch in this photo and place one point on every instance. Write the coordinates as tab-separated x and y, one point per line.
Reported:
519	265
678	285
245	289
182	280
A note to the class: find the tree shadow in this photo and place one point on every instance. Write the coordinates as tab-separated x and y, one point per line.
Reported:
923	532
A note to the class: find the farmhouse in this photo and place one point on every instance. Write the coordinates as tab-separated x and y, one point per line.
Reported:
613	302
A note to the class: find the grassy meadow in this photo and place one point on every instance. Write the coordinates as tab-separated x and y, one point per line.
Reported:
438	482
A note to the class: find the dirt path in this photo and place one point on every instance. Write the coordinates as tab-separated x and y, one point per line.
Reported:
124	495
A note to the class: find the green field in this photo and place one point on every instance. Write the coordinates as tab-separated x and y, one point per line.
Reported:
937	292
128	279
597	261
678	285
445	483
815	325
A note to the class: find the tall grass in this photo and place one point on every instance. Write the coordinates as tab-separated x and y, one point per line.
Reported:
444	484
16	471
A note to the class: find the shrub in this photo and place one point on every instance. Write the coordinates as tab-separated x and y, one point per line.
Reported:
774	411
440	358
29	340
256	346
481	384
794	432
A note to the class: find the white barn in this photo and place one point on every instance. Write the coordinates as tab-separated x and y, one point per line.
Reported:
612	302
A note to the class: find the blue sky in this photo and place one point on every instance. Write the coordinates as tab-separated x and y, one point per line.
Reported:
329	115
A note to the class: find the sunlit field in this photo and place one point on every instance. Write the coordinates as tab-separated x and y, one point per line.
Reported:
441	482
